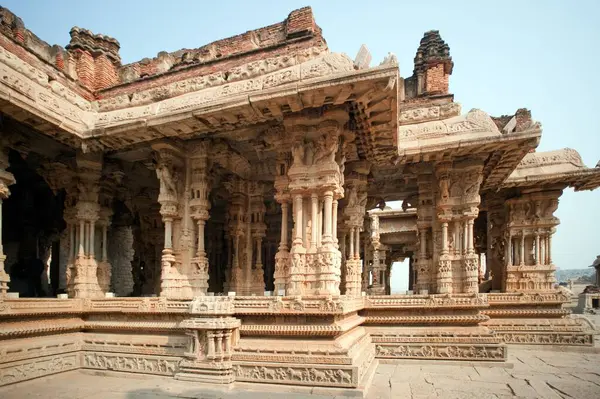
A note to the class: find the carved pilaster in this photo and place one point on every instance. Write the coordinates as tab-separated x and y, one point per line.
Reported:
213	334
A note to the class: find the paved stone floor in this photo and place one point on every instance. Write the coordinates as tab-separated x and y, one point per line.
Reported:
534	374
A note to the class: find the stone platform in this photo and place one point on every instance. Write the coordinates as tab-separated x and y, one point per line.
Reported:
528	374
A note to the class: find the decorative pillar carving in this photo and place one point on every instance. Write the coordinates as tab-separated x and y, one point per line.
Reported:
425	218
199	212
82	274
170	173
532	222
213	333
6	179
316	173
354	213
457	202
258	231
238	227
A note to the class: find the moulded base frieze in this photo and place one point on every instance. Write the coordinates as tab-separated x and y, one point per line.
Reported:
439	343
37	367
132	363
207	372
343	361
567	331
298	374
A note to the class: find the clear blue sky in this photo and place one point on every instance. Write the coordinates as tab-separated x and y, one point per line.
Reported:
540	55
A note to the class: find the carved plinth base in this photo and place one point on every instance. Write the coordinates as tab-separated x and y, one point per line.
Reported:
172	283
342	357
537	318
37	367
438	343
567	331
208	372
84	279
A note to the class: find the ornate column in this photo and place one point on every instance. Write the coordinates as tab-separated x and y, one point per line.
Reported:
82	276
199	212
425	217
315	171
6	179
170	173
104	266
238	226
354	212
457	202
258	232
531	217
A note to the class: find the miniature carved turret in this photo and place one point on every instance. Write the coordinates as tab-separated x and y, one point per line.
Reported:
96	57
433	64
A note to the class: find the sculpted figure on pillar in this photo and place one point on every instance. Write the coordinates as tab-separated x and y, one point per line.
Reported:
169	166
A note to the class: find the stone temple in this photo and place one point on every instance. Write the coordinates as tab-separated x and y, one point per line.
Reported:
219	214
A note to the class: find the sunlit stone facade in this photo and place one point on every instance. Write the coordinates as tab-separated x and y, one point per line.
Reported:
219	214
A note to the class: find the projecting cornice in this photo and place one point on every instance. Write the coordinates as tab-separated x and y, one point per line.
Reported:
194	106
560	167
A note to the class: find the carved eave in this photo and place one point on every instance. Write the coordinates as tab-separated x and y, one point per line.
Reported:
473	134
554	168
30	96
259	108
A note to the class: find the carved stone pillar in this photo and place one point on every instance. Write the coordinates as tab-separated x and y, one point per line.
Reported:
425	217
258	229
315	173
238	226
199	212
82	278
6	179
530	217
354	213
457	203
170	173
104	266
